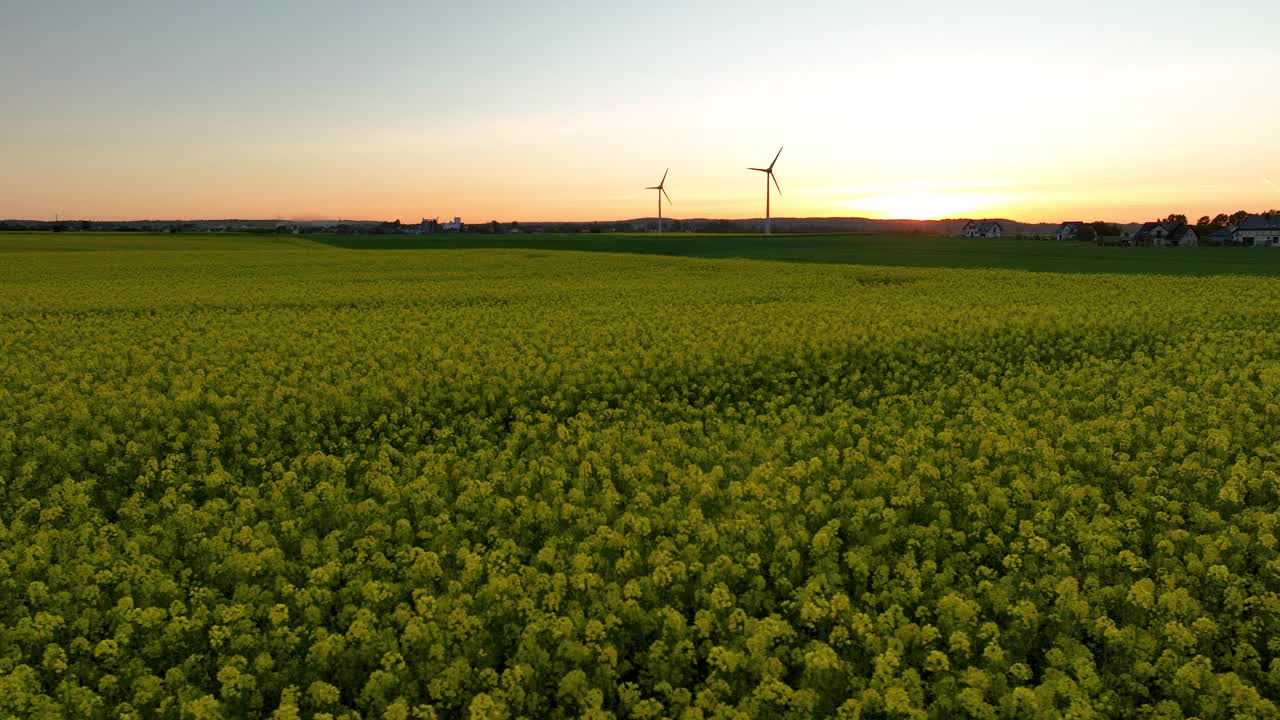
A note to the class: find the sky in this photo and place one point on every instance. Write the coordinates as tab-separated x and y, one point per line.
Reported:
1034	110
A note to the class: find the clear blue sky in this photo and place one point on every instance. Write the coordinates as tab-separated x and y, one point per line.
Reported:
564	110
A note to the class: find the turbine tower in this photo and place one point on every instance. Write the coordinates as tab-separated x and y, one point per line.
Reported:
661	188
768	175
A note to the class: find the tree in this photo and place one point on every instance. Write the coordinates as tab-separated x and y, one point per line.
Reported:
1105	229
1238	217
1176	218
1220	220
1204	222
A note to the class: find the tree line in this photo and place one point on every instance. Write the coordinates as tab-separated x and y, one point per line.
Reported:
1222	220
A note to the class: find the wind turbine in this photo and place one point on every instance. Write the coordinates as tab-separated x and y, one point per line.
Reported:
660	187
768	175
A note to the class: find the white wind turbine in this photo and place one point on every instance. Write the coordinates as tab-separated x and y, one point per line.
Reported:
768	175
661	188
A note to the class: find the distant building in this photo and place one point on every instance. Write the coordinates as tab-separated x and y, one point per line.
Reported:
1185	236
428	226
983	229
1166	234
1258	231
1070	230
1221	236
455	226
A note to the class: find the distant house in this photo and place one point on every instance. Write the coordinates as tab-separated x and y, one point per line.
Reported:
1070	230
428	226
1166	234
1221	236
983	229
1184	236
1258	231
455	226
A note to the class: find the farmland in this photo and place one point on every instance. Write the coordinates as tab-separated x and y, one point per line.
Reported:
252	476
909	250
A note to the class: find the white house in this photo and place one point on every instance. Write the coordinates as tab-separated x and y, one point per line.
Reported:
1070	230
455	226
1258	231
1166	234
983	229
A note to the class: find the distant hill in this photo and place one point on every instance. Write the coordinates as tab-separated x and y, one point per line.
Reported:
1012	228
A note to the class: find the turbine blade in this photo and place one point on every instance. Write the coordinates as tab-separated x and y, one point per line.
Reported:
664	178
775	159
758	169
664	192
653	188
775	183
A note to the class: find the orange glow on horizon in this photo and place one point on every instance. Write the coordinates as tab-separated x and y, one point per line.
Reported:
923	205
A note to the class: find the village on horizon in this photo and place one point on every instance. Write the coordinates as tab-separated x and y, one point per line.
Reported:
1241	228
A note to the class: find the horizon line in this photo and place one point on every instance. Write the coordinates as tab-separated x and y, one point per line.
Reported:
313	220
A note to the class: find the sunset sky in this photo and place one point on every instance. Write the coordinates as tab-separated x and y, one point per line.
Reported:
1037	110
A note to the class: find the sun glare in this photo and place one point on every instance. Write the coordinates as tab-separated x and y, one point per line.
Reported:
919	205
